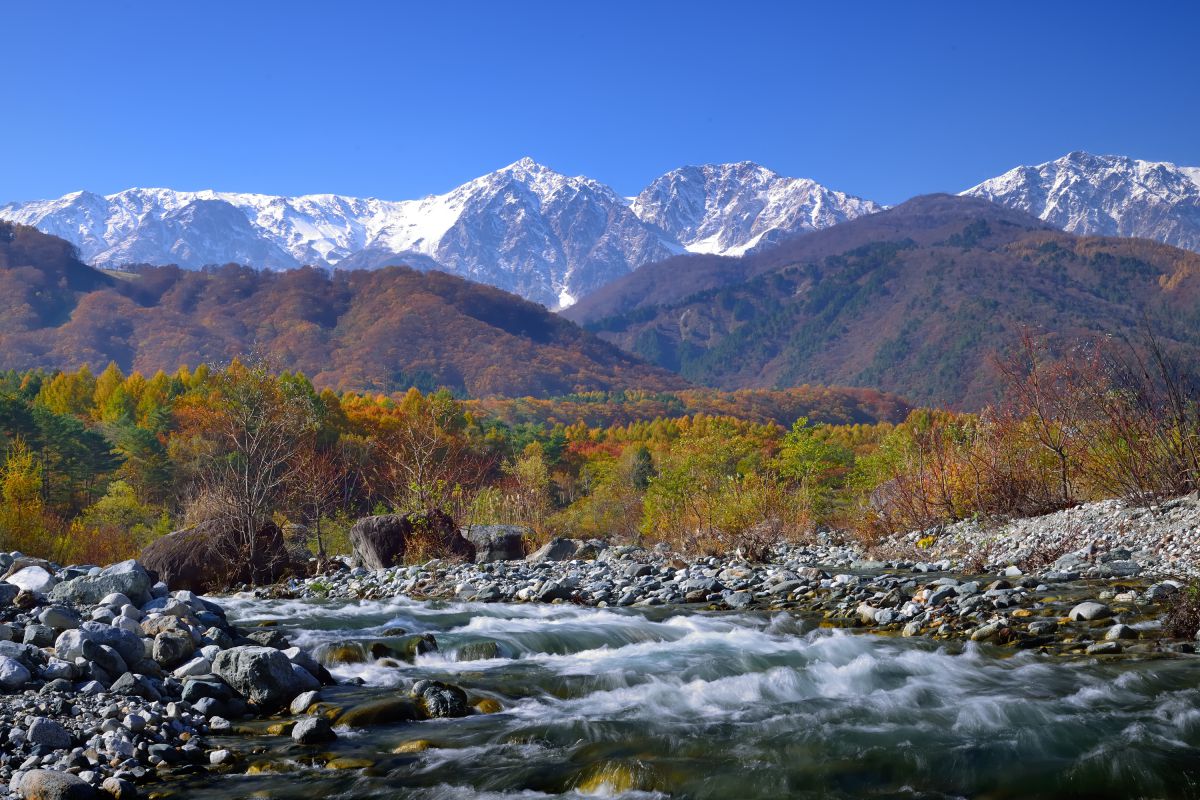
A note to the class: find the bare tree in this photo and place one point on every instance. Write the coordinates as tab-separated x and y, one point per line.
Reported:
317	484
423	456
257	431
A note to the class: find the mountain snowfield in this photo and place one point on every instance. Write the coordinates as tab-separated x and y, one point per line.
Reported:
1105	196
728	209
524	228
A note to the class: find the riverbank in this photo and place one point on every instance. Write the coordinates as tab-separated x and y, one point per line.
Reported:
1095	580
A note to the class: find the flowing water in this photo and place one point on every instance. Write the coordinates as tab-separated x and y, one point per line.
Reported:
678	703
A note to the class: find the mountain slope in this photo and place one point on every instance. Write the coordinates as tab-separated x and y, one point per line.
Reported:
727	209
911	300
925	221
524	228
1105	196
380	330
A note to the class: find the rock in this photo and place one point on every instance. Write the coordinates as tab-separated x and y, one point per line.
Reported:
135	686
478	651
1103	649
209	557
38	635
59	618
497	542
197	666
269	637
1043	627
128	578
13	674
558	549
739	600
49	733
313	730
262	675
172	648
74	644
8	593
303	702
1089	610
438	699
45	784
119	789
33	579
380	712
384	541
1117	632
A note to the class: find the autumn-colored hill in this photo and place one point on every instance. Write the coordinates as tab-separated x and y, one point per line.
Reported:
379	330
831	405
912	300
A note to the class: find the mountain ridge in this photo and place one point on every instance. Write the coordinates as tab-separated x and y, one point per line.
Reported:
524	228
912	300
379	330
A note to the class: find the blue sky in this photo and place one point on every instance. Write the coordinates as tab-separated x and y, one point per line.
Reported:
398	100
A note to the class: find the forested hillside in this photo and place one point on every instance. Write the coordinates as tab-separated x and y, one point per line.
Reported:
382	330
914	300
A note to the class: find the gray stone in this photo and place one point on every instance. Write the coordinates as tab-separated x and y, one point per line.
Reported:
737	600
13	674
33	579
59	618
262	675
172	648
49	733
128	578
73	644
1090	610
497	542
8	593
313	730
45	784
558	549
1117	632
439	699
303	702
38	635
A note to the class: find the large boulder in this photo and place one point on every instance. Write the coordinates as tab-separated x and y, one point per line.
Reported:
209	557
46	784
386	540
566	550
497	542
128	578
263	675
36	579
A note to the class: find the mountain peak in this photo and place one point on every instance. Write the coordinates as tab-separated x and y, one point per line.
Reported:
731	208
1105	195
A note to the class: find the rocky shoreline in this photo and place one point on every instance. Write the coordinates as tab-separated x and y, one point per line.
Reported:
1096	579
110	681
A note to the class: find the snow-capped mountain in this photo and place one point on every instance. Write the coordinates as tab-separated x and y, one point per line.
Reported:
524	228
1106	196
728	209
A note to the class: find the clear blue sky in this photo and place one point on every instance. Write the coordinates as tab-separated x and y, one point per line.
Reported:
398	100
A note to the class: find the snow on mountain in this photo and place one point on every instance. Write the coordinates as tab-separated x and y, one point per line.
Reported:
524	228
728	209
1106	196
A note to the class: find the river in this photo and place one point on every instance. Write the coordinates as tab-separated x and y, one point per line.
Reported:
686	704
